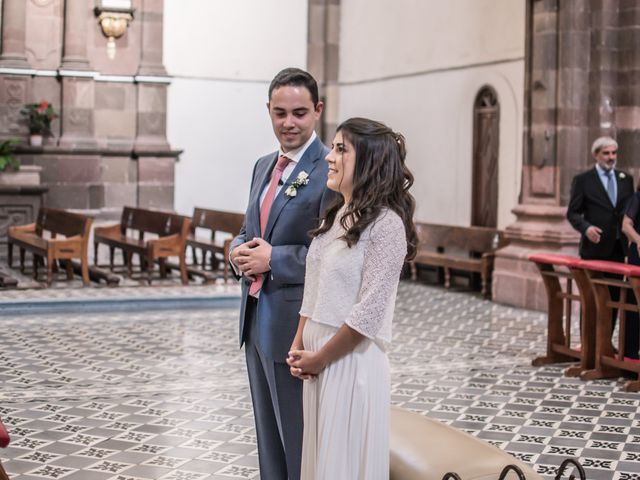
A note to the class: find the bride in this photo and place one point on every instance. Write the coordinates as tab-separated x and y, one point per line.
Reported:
353	268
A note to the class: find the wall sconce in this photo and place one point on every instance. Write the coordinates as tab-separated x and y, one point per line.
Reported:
114	17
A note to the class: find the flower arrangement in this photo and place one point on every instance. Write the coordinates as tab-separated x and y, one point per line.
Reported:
39	116
301	180
7	160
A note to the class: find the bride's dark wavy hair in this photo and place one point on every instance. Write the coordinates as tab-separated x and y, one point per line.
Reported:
380	179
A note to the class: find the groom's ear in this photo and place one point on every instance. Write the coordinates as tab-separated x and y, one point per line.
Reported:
268	106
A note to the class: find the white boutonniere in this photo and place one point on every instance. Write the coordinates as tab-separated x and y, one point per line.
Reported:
301	180
621	175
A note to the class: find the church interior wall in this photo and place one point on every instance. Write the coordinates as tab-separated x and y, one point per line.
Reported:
428	73
401	37
217	100
435	113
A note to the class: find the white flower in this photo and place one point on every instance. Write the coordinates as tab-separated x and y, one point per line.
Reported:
621	175
291	191
301	180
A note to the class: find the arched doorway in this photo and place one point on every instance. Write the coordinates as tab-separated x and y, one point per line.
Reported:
486	135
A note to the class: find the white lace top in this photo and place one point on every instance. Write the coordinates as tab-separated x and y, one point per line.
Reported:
356	285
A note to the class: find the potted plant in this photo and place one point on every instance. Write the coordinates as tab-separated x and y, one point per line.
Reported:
7	161
39	117
11	172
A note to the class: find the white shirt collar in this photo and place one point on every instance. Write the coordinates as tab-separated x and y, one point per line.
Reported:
296	155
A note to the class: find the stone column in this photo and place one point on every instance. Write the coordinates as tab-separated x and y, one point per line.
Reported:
78	84
627	100
323	56
152	81
151	18
555	146
75	35
14	22
15	87
155	169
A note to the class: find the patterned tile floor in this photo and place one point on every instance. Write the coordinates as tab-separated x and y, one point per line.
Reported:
163	394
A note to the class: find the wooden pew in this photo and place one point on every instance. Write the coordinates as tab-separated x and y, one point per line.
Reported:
73	226
218	223
608	362
170	232
554	268
469	249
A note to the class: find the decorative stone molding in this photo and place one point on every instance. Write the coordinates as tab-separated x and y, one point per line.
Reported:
114	24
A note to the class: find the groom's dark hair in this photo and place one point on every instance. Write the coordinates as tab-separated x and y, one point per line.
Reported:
295	77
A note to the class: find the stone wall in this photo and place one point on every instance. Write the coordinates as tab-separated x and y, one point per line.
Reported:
109	146
582	79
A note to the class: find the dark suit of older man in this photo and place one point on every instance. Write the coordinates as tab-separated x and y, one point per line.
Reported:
596	207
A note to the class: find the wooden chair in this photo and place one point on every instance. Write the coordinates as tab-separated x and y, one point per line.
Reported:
216	249
470	249
170	228
554	268
608	363
74	227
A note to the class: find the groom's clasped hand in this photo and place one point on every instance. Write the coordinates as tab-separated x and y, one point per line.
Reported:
252	257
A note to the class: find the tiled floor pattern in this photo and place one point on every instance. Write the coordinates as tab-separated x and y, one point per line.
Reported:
129	288
163	395
27	283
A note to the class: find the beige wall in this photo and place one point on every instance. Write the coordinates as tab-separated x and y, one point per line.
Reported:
421	78
434	112
394	37
414	64
222	56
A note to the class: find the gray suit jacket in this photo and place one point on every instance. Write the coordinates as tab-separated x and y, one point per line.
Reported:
290	220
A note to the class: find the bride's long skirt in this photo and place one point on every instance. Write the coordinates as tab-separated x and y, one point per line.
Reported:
346	413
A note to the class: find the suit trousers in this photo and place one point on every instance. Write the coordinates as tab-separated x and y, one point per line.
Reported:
277	408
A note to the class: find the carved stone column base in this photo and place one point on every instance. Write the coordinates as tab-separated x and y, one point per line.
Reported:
156	183
151	144
152	117
516	281
77	112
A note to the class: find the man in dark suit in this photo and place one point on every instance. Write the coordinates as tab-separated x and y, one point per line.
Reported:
288	195
596	207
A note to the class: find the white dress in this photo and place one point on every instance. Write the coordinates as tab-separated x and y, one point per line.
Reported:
346	408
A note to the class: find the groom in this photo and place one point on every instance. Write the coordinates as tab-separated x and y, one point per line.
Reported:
288	195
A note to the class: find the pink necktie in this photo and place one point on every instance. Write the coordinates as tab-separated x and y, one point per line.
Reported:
265	209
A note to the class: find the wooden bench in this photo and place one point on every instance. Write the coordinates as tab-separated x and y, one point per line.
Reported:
560	296
217	249
469	249
170	232
609	361
73	226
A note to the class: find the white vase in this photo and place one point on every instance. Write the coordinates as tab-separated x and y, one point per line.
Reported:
35	140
